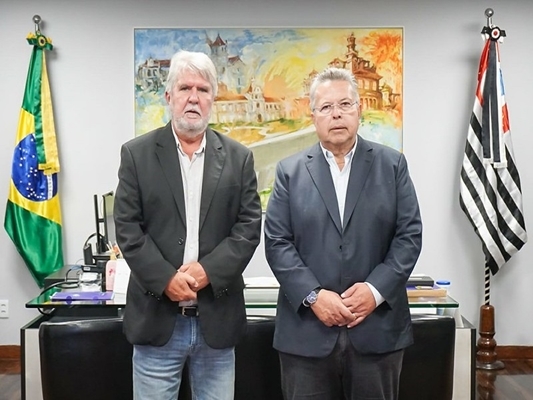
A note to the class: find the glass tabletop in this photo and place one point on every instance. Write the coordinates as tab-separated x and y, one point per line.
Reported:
254	298
44	300
266	297
433	302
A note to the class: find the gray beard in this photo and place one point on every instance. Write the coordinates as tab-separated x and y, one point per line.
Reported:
191	129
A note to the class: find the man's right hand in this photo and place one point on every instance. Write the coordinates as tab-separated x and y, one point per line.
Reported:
180	287
330	309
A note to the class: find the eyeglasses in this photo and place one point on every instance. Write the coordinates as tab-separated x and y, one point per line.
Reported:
343	106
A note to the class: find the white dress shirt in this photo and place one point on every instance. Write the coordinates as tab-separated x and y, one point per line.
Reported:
192	173
340	182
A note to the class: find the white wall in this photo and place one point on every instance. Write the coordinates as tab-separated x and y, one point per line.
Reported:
91	75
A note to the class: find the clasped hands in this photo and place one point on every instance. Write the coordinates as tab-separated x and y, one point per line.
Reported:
188	280
349	309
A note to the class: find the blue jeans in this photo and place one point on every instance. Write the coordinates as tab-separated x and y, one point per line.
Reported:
157	370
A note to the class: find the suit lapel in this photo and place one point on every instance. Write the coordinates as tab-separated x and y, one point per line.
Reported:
318	168
215	155
361	164
167	153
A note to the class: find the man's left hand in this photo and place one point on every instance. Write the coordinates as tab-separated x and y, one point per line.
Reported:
360	301
196	270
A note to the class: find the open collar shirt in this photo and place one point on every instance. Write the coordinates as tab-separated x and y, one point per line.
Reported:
192	173
340	182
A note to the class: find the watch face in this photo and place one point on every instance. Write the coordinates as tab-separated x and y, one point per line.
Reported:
311	298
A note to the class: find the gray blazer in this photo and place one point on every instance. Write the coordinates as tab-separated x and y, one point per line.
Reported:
150	223
379	242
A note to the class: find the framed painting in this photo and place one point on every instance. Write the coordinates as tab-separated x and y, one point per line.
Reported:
264	76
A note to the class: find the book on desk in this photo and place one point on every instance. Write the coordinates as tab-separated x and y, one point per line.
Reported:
426	291
420	280
81	296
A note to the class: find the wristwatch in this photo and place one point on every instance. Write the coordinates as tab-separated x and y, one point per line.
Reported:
311	297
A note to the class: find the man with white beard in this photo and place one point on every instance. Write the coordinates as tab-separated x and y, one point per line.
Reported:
188	220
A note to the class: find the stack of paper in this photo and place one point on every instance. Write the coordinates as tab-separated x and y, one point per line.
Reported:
261	289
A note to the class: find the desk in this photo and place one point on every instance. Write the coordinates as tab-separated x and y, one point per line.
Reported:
257	303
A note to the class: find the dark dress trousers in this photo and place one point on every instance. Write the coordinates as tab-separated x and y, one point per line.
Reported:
151	223
378	242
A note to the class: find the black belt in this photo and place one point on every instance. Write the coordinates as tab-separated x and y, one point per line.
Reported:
189	311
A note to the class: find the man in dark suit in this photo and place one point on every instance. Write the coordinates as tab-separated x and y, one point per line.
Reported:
188	220
342	235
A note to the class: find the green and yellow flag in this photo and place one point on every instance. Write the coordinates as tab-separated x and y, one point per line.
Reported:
33	214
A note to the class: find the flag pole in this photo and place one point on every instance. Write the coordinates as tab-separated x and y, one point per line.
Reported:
486	344
486	357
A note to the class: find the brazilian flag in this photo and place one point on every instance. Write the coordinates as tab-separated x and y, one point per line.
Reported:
33	214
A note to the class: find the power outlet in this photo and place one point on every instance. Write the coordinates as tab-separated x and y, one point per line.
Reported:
4	308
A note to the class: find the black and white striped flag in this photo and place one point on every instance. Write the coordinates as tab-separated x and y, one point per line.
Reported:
490	192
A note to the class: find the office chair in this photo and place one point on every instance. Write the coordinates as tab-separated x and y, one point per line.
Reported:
427	369
257	370
89	359
85	360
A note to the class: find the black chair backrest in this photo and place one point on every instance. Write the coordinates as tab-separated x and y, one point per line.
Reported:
257	370
427	369
85	359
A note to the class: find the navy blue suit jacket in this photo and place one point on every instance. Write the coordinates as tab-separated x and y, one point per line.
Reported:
378	242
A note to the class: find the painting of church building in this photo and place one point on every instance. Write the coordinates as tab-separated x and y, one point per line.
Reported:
251	107
230	69
240	98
